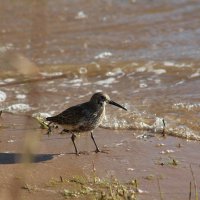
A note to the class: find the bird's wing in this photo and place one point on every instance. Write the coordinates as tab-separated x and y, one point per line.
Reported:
71	116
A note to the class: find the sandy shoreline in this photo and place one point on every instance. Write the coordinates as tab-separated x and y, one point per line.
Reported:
152	162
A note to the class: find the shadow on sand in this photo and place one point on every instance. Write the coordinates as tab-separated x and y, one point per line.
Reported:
13	158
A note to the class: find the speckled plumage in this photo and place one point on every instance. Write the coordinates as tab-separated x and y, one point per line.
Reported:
84	117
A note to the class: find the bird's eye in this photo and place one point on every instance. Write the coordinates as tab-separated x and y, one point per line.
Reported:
103	98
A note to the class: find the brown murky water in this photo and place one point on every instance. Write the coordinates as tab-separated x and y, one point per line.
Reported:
144	54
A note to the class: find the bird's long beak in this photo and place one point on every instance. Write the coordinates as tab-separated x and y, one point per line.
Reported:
116	104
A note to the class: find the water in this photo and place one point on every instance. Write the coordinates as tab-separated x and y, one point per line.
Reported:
144	54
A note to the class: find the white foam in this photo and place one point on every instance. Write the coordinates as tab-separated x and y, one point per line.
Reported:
80	15
196	74
76	85
187	106
181	65
159	71
107	81
18	108
141	69
47	74
180	82
99	91
116	72
143	85
9	80
130	169
119	144
52	90
114	92
167	151
11	141
178	65
102	55
76	81
85	84
169	63
144	125
142	191
21	96
149	68
3	96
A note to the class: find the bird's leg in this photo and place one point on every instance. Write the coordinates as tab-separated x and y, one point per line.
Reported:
73	140
97	149
49	129
163	131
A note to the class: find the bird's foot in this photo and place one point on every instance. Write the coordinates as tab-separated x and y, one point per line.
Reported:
77	153
101	151
49	132
97	150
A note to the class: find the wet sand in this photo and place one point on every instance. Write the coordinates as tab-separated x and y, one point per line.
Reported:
127	158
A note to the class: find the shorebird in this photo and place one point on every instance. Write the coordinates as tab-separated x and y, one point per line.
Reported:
84	117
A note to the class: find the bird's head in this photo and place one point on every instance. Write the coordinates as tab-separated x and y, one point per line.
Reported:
101	99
